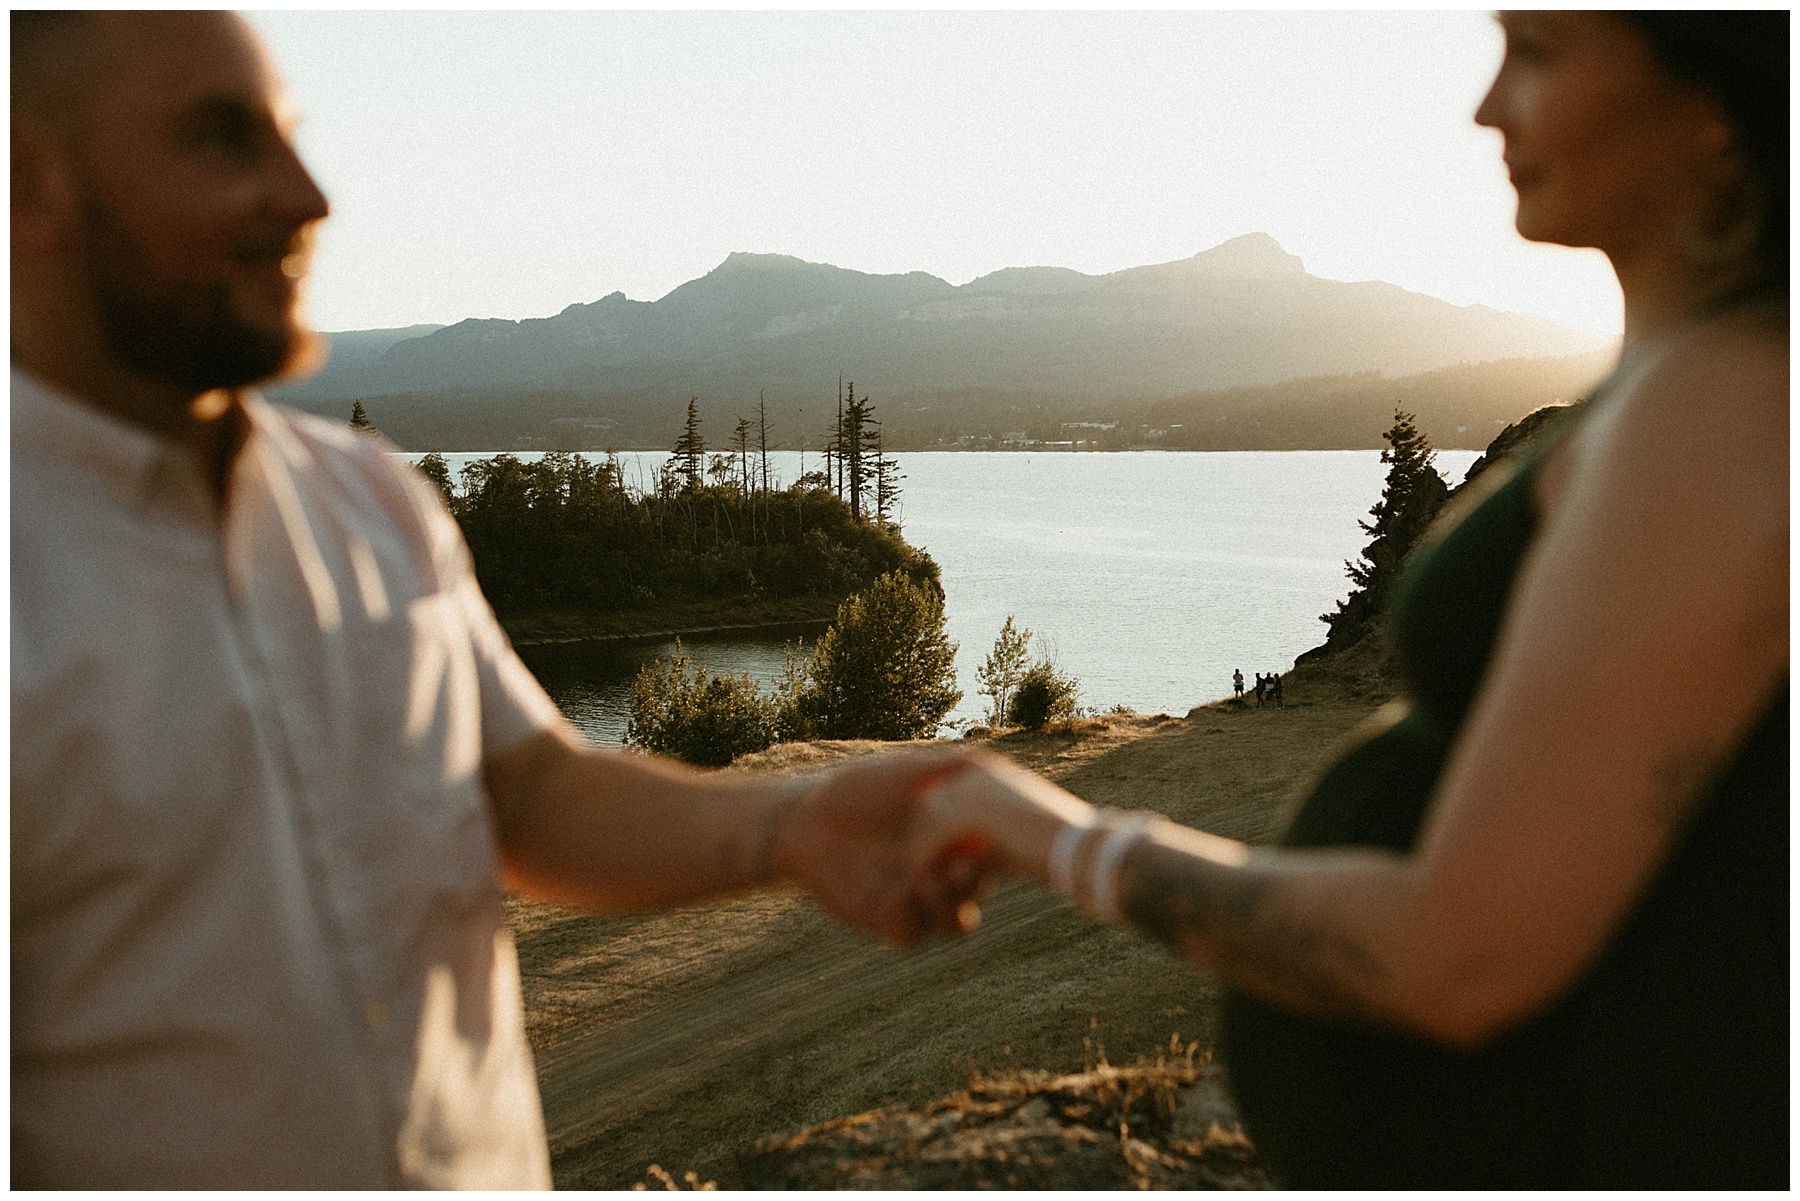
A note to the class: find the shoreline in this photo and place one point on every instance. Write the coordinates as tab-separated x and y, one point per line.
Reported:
806	625
804	615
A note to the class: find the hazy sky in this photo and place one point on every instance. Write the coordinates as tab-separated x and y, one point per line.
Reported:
507	164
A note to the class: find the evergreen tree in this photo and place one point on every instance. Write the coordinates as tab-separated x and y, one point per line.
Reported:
762	438
855	466
834	449
887	481
1411	497
740	446
1000	673
690	450
761	516
853	438
834	468
359	420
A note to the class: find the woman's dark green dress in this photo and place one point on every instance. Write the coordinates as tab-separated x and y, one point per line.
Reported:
1666	1066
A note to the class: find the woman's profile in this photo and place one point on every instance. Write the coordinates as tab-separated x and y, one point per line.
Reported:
1531	930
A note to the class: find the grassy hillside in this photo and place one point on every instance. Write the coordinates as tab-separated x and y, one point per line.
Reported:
681	1038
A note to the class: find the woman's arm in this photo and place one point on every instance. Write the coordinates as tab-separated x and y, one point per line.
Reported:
1644	635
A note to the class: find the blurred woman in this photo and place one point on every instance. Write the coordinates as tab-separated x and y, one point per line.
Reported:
1532	929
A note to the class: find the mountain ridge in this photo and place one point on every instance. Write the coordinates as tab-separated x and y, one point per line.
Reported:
1241	313
617	371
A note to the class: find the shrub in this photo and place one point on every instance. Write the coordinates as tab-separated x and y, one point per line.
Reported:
1043	695
685	712
792	721
885	669
1002	670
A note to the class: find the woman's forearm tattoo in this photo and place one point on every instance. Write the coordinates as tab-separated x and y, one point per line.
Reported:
1243	922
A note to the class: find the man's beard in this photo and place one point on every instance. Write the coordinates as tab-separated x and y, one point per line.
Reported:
183	333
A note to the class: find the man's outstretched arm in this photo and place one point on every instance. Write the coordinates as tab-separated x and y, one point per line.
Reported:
620	832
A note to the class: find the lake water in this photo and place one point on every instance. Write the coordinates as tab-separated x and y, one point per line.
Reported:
1148	576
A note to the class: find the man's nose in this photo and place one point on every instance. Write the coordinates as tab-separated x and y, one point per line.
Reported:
300	197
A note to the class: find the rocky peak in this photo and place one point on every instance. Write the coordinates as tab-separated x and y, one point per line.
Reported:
1249	254
743	260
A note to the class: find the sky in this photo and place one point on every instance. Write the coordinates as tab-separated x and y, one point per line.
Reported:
508	164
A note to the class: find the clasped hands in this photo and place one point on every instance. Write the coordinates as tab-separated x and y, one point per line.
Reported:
904	845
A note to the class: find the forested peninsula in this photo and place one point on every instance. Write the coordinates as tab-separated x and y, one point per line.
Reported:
566	547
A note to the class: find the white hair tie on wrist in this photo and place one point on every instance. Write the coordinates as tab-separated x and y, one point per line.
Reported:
1124	831
1063	850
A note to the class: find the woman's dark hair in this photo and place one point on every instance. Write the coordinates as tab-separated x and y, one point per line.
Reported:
1741	57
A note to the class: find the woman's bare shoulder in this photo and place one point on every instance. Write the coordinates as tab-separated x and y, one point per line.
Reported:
1709	410
1734	364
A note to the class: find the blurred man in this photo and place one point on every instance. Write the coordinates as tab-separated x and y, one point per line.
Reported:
271	754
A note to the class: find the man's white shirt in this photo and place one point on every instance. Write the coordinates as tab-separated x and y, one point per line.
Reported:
257	932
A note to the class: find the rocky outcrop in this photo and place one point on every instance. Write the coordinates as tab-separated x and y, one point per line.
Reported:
1515	438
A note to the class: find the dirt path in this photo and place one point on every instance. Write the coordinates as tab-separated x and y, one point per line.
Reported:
680	1038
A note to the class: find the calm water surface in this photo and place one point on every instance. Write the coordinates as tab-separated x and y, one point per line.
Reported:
1148	576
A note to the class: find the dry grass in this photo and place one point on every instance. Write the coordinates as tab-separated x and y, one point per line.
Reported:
1162	1125
679	1039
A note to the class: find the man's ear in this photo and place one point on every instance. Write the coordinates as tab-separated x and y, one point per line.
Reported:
44	203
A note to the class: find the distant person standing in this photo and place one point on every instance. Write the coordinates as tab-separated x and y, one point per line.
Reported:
1275	688
1262	686
1237	682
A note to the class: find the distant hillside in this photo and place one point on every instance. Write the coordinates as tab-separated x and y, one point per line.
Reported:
356	349
1459	408
618	371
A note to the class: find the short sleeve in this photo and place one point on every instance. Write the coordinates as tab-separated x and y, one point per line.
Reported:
514	706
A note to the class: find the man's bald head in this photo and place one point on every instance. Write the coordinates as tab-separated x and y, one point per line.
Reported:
159	210
59	55
54	60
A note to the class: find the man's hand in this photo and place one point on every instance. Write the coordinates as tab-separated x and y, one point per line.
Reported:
992	817
852	840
